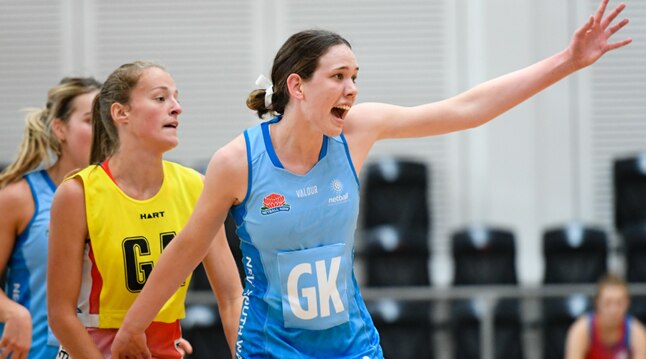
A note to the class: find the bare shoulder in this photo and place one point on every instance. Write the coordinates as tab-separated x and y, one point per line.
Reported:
579	329
231	157
638	330
228	171
70	192
16	204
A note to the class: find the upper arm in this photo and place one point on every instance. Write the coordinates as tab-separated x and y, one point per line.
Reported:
225	184
638	342
67	236
17	208
577	341
368	123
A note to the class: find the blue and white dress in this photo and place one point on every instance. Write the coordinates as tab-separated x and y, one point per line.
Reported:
27	267
301	299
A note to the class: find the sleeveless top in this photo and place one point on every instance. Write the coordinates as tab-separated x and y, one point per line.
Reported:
27	267
126	237
301	299
598	350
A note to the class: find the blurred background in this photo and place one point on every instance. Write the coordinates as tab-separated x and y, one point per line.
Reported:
569	163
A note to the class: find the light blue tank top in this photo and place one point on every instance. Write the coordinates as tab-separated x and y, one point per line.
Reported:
301	299
27	268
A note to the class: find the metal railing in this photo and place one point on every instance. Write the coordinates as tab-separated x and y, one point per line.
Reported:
489	295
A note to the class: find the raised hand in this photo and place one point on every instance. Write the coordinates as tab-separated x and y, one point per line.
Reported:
591	40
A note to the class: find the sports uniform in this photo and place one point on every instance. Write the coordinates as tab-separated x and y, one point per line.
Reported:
126	237
599	350
301	299
27	267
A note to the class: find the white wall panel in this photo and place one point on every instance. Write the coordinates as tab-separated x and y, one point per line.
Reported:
30	63
205	45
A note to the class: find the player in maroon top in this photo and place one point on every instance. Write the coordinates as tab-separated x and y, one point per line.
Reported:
609	332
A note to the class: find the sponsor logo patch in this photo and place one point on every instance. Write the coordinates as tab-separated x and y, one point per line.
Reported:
274	203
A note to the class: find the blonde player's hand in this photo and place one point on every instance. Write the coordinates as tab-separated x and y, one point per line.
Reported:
129	345
184	347
16	338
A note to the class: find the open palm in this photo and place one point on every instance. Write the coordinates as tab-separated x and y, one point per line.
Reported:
591	40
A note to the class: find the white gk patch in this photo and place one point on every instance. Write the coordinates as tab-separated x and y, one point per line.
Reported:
313	287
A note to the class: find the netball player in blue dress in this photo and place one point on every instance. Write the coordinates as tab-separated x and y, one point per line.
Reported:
63	128
291	184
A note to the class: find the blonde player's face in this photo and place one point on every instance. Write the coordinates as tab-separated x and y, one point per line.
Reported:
612	304
331	91
153	112
77	131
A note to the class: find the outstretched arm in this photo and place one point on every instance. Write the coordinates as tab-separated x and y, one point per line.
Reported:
224	184
486	101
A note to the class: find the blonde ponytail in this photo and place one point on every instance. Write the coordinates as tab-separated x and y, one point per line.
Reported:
34	148
38	141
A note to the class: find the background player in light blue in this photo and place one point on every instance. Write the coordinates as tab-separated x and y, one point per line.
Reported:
61	128
295	198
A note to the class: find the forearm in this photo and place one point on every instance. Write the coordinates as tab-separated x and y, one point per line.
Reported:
9	308
73	336
492	98
230	314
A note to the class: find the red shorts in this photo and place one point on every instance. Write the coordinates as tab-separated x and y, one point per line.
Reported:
161	338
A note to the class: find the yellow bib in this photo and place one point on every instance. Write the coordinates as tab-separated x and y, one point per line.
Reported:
126	237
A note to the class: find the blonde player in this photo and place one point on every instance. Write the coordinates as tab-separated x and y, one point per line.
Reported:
112	220
61	127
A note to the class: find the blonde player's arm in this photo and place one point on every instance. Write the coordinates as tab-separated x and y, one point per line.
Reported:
225	183
578	339
637	339
68	232
223	275
16	213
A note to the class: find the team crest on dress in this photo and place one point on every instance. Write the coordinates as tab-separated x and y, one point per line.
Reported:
274	203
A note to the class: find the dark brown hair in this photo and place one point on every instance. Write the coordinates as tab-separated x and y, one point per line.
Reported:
300	55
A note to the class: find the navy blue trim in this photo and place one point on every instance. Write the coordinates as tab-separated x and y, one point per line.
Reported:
323	148
48	180
591	327
238	210
268	145
627	333
249	166
347	152
36	207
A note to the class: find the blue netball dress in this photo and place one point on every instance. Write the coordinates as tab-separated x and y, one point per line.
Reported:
27	268
301	299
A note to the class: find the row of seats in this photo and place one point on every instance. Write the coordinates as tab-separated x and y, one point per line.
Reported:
572	254
395	226
408	329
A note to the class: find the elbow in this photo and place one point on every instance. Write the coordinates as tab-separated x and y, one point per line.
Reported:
58	319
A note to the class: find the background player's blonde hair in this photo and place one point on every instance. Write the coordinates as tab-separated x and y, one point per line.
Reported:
39	141
610	279
117	88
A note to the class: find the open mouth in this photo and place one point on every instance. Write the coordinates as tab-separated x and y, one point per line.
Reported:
340	110
171	125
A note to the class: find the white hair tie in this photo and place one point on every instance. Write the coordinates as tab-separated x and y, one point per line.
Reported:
265	84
